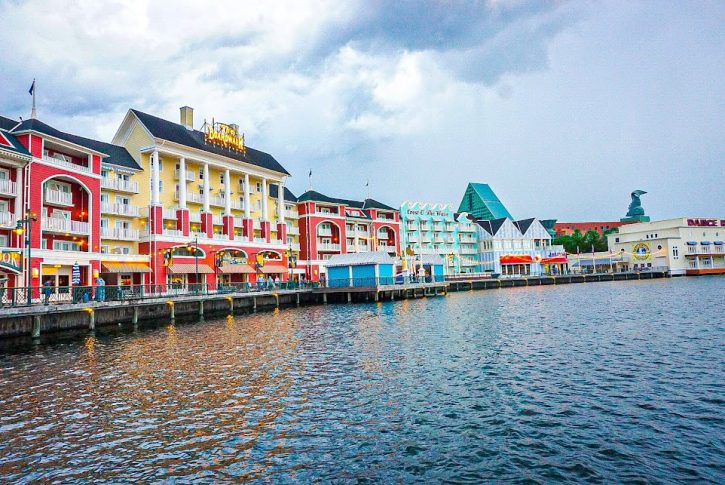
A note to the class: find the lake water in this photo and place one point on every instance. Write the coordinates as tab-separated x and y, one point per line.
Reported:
619	381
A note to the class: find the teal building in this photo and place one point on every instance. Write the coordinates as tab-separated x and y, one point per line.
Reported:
437	229
481	202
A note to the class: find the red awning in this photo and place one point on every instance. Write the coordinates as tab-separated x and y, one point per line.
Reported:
516	259
236	269
273	269
554	260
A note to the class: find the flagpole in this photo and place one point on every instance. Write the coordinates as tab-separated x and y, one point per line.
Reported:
33	113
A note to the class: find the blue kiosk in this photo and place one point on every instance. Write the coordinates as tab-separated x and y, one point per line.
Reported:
360	270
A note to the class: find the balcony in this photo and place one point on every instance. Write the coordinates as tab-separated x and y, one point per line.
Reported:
466	227
424	226
239	222
293	230
468	249
412	226
413	238
59	162
220	237
56	197
256	224
216	220
119	234
121	209
438	227
191	197
328	247
324	232
173	232
291	214
9	188
236	205
190	175
327	214
170	214
119	185
197	235
195	217
7	219
65	226
295	246
216	200
259	240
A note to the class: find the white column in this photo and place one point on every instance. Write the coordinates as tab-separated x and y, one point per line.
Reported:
155	177
247	202
182	183
227	193
280	203
206	187
264	199
20	188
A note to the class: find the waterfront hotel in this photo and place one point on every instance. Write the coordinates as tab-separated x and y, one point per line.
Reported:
330	226
429	228
682	246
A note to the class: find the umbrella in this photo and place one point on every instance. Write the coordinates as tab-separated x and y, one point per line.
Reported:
76	274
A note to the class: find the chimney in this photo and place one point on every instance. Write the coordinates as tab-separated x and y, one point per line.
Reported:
187	117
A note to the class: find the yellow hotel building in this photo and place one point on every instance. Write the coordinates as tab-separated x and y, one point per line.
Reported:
207	208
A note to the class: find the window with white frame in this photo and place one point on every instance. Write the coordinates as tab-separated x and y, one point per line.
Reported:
222	179
259	186
65	246
104	249
3	240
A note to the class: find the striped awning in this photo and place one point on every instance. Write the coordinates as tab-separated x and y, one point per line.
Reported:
273	269
236	269
121	267
190	268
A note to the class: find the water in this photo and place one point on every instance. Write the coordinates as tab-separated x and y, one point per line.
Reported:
591	382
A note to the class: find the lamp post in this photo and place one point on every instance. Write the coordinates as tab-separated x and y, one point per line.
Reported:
25	226
196	261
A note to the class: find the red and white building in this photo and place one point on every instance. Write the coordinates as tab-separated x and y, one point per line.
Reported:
330	226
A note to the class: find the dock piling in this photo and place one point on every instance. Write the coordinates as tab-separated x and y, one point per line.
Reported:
201	308
36	327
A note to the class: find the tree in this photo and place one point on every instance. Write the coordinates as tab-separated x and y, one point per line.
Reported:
583	243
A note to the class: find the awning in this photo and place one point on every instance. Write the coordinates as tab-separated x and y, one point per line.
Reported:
236	269
554	260
273	269
121	267
705	243
516	259
692	243
190	268
718	243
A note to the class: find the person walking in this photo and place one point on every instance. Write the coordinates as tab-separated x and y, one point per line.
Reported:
47	290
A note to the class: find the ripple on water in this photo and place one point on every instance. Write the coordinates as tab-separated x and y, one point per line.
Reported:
614	382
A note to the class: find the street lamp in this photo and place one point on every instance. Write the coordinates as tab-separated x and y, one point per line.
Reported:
195	248
25	225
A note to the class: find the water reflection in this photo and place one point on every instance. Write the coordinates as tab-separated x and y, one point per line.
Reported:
575	383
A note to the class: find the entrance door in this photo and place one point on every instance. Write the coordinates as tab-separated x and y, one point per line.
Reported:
63	282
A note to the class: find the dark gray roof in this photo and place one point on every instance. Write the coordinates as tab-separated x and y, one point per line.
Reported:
493	226
174	132
116	155
7	123
524	224
288	195
314	196
16	146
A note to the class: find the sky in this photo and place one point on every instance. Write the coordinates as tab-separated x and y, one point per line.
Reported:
562	107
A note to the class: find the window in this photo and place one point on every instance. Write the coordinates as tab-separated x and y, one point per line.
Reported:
122	200
104	173
241	201
616	239
161	165
122	225
201	190
161	186
675	252
104	249
222	179
104	223
122	250
65	246
60	214
201	174
259	186
3	206
259	205
3	240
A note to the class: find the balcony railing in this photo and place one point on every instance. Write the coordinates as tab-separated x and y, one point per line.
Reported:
195	217
190	175
66	164
8	187
328	247
324	232
220	237
57	197
119	234
170	214
58	224
295	246
121	209
260	240
291	214
216	220
293	230
191	197
173	232
119	185
256	224
216	200
327	214
239	222
7	219
197	234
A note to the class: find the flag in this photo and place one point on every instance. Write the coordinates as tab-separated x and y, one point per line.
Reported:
32	88
76	274
310	175
367	184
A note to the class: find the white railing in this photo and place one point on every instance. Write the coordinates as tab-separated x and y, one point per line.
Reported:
191	197
173	232
121	209
217	200
467	250
293	230
7	219
239	222
412	226
195	217
324	232
412	238
260	240
216	220
190	175
170	214
467	227
291	214
295	246
119	234
220	237
237	205
58	197
8	187
328	247
437	227
424	226
120	185
197	234
327	214
256	224
58	224
65	164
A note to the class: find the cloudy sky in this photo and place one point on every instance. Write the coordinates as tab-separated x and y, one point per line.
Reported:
563	107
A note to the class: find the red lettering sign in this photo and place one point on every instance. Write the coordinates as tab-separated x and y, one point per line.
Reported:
704	222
